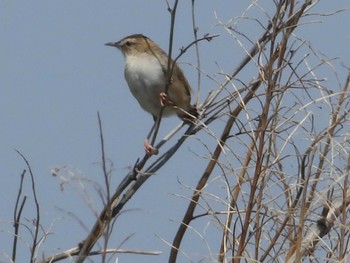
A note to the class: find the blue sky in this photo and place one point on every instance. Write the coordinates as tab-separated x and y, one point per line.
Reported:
56	74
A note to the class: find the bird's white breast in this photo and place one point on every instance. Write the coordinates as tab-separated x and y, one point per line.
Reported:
146	80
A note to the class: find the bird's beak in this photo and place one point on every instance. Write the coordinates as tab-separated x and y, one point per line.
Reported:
113	44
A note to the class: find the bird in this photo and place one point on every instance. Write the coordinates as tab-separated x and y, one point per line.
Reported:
145	72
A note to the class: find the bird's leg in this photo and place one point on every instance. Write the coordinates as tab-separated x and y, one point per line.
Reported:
149	149
165	100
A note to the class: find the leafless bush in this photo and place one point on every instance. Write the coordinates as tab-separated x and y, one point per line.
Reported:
282	153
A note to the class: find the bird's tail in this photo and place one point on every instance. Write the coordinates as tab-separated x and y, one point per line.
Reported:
190	115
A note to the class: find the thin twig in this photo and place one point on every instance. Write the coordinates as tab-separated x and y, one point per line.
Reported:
168	70
17	216
37	220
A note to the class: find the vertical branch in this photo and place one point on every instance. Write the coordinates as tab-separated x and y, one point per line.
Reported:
17	216
233	203
107	184
103	158
37	220
260	145
169	67
195	34
343	217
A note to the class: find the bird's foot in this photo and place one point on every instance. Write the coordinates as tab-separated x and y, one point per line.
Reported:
165	100
149	149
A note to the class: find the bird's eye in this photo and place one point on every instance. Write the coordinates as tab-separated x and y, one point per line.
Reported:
128	43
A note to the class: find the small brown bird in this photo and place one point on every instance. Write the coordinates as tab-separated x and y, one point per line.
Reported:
145	72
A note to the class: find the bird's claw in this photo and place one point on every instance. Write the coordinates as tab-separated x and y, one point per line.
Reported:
149	149
165	100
